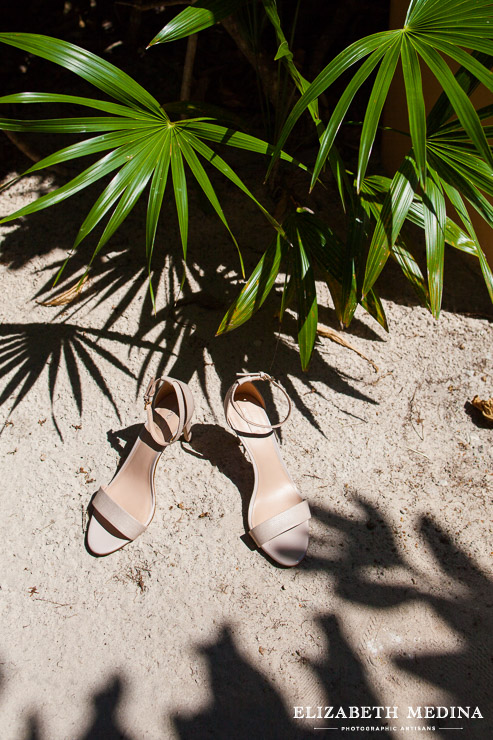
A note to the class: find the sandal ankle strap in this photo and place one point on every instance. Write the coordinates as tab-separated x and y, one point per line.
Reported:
149	400
252	377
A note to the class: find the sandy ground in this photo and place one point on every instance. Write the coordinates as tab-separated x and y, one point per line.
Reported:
188	632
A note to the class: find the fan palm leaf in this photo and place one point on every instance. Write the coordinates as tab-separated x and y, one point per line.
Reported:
138	140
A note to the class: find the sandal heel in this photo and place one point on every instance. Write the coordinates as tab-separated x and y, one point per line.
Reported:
277	514
123	510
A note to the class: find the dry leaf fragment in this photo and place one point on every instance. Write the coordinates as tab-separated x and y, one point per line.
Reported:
68	295
486	407
325	331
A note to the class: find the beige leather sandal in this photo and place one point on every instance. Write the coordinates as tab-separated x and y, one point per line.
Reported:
122	510
277	515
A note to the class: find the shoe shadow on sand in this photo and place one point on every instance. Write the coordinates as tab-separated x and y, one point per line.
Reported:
215	444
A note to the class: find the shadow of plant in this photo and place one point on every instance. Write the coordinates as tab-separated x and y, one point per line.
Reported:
464	602
244	705
105	724
27	349
368	543
467	673
183	331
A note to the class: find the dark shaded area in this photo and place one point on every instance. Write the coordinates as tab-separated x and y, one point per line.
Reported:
123	440
466	674
105	725
368	542
477	417
344	678
244	704
34	728
120	32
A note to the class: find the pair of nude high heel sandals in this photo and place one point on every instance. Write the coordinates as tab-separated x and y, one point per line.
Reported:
277	515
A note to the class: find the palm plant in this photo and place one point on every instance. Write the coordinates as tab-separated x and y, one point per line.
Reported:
448	169
448	159
142	142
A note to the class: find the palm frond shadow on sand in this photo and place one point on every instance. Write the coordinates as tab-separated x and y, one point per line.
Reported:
178	340
26	350
187	329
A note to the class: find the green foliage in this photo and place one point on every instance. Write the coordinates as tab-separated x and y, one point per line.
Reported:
447	159
448	169
307	245
202	15
144	146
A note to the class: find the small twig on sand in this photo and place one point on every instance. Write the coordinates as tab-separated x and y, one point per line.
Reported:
418	452
331	334
49	601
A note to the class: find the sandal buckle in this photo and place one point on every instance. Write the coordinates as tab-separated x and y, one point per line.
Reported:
260	375
148	395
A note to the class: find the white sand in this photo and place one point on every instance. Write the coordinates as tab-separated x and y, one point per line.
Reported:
188	633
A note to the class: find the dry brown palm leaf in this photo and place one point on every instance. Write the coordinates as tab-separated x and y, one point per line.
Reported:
486	407
68	296
325	331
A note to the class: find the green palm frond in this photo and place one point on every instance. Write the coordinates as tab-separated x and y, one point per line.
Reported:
445	157
202	15
308	246
139	143
431	29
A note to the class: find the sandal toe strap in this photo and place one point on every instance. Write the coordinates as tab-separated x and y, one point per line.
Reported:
280	523
120	519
